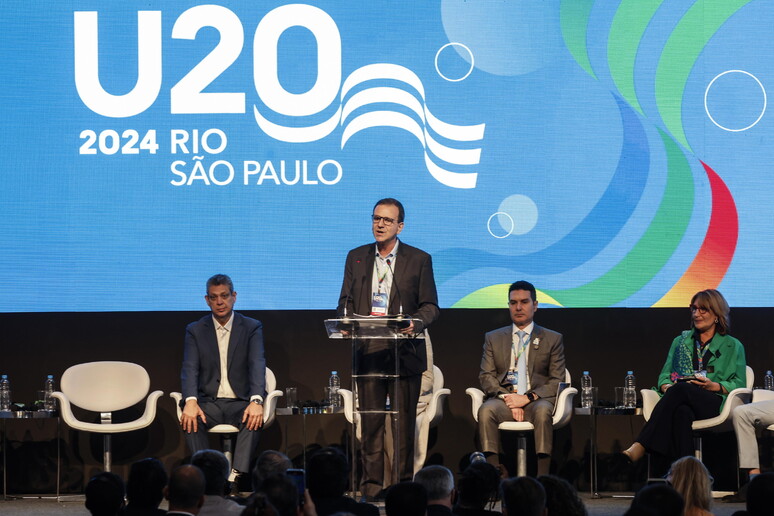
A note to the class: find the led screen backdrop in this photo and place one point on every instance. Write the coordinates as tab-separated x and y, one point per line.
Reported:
613	153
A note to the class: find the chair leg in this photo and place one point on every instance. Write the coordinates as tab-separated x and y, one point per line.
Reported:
107	456
227	450
521	456
697	446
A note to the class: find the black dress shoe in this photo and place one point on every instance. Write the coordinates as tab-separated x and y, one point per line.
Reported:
739	496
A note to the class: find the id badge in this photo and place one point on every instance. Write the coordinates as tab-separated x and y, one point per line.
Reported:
512	377
379	303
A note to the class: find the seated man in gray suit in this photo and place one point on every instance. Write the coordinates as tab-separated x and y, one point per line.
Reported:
223	374
521	368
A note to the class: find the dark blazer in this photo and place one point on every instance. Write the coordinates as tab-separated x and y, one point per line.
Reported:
545	365
201	359
413	288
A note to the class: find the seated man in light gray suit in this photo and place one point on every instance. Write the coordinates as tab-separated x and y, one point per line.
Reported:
223	374
521	368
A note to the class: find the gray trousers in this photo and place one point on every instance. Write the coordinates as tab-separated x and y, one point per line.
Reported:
746	418
494	411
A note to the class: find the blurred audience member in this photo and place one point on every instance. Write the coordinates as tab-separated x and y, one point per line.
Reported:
215	467
145	488
438	481
327	477
259	505
283	495
105	494
656	500
476	489
691	479
523	496
561	497
406	499
185	491
269	462
760	496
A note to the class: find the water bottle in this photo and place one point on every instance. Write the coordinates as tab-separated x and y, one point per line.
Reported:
334	382
587	397
49	403
630	390
387	404
768	381
5	393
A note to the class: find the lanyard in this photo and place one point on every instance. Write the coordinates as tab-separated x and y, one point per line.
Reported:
700	352
518	350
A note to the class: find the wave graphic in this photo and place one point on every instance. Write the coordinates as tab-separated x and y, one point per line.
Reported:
413	99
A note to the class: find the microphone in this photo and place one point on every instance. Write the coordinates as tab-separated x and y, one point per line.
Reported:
401	324
397	289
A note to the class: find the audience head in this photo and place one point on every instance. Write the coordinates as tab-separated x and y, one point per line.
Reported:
105	494
326	473
561	497
145	487
478	485
215	468
691	479
406	499
523	496
269	462
438	481
185	490
656	500
760	493
259	505
282	493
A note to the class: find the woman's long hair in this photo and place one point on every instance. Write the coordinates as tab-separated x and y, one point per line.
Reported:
691	479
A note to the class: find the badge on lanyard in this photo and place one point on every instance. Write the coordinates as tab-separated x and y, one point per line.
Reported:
379	303
512	377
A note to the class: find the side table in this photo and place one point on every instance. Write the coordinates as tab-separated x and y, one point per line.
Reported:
593	413
5	417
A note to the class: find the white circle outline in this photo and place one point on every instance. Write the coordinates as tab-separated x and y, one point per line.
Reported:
765	100
489	224
472	61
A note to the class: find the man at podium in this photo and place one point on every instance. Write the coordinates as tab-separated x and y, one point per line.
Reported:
388	278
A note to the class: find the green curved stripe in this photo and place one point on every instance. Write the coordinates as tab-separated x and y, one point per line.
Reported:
681	51
655	247
629	24
574	19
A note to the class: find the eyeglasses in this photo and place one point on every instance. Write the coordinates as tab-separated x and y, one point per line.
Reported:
387	220
701	309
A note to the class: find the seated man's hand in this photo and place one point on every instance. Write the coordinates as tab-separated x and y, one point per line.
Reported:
189	419
253	416
518	414
514	401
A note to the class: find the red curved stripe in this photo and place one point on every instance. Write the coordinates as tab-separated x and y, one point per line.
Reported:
711	263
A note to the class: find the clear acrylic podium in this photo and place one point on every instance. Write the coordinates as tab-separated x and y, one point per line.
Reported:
360	330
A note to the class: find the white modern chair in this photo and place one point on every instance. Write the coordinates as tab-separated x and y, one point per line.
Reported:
720	423
228	431
429	413
106	387
562	415
763	395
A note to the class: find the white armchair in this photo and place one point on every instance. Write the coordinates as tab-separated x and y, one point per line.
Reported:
429	413
228	431
106	387
719	423
562	415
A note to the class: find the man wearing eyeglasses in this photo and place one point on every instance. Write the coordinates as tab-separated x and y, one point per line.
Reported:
388	278
223	375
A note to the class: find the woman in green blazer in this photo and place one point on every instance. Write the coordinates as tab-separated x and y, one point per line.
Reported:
704	364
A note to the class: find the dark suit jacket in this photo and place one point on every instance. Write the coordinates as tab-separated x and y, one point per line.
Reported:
413	287
201	359
545	365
